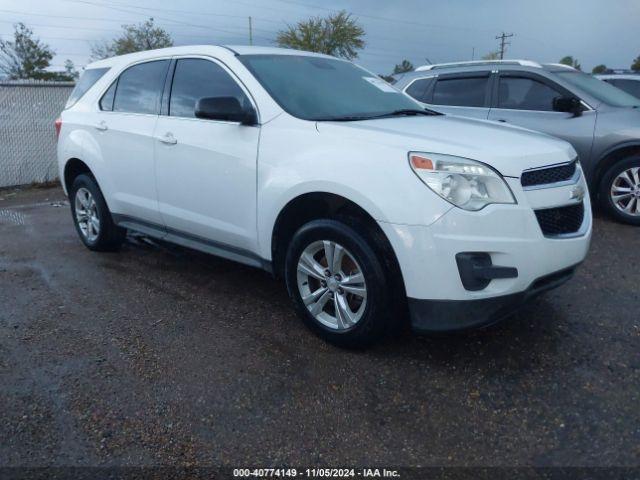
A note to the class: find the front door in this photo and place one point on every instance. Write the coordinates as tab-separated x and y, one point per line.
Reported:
206	169
526	100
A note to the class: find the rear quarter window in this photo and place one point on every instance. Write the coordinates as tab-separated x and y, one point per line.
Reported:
87	80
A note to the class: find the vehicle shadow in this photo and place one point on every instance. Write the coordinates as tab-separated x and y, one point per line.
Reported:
520	341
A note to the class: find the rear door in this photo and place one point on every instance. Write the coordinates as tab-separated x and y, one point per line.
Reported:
465	94
125	127
526	100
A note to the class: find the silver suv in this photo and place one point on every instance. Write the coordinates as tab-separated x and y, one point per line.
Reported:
601	121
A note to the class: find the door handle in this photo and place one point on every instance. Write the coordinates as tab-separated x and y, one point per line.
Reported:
102	126
168	139
502	120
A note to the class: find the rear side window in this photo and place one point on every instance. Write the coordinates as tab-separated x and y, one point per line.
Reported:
139	88
87	80
630	86
464	92
522	93
418	89
197	78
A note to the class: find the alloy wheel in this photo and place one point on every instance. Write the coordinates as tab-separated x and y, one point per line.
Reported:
625	191
332	285
87	214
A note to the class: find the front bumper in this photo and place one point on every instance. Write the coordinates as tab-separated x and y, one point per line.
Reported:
510	235
433	316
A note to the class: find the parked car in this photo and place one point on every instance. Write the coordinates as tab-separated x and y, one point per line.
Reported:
628	83
600	121
369	206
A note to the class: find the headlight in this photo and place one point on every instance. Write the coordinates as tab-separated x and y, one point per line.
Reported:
465	183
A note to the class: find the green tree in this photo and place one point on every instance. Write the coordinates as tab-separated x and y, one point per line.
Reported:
337	34
404	67
25	56
491	56
134	38
570	61
635	66
599	69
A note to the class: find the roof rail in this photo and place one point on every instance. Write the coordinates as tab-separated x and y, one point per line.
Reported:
561	65
473	63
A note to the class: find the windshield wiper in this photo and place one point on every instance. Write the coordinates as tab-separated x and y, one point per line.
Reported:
346	118
395	113
411	111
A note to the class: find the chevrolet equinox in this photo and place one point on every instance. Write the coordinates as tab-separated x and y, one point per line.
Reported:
371	208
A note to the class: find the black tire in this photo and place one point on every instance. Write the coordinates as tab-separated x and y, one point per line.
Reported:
110	236
383	311
604	196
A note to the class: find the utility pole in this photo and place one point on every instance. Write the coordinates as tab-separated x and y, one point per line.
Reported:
503	43
473	54
250	32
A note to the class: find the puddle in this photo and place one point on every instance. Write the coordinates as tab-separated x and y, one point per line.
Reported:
11	217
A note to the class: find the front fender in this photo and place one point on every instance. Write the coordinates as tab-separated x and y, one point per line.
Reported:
377	178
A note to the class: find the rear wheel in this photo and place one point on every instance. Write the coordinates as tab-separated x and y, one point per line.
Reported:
339	286
620	191
91	216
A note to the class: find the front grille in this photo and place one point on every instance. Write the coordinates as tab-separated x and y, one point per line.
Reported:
561	220
544	176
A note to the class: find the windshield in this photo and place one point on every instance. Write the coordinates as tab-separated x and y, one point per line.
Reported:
315	88
601	90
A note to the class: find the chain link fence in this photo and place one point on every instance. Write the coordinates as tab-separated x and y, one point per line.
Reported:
28	110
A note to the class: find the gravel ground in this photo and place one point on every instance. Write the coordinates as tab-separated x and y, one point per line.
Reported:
158	355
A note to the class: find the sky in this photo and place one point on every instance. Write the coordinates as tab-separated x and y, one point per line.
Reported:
422	31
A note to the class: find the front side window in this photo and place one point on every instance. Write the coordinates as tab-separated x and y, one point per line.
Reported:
197	78
600	90
522	93
318	88
632	87
463	92
87	80
140	87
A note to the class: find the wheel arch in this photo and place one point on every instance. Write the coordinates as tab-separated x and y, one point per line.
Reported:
320	204
609	158
72	168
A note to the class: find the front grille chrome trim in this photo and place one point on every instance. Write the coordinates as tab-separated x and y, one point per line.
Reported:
571	181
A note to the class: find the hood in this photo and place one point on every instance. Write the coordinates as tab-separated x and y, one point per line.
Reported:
508	149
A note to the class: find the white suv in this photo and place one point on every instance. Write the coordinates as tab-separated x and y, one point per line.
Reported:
308	166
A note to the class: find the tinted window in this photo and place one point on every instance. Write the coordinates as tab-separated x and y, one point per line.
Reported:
525	94
195	79
318	88
600	90
106	102
140	87
418	89
87	80
466	92
630	86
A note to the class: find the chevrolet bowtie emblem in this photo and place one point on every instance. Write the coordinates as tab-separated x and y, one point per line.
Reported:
577	193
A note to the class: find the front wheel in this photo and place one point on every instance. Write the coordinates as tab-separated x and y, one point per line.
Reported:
339	286
620	191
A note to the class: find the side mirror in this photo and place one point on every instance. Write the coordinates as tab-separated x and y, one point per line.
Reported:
568	105
225	108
